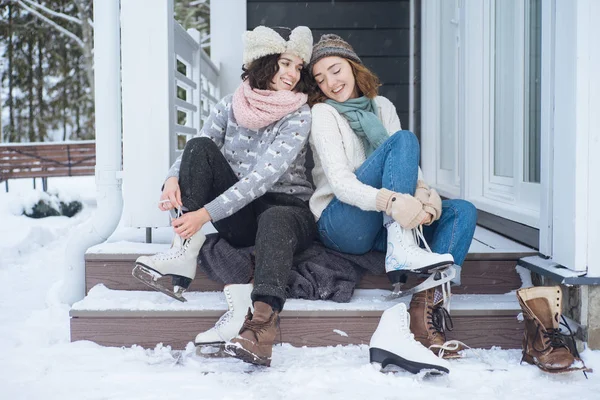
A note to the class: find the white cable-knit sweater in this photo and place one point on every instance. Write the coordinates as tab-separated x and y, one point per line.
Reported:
338	152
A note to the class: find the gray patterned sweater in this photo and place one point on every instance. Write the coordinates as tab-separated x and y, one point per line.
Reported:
270	159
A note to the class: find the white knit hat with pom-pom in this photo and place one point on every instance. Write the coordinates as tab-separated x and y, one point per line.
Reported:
263	41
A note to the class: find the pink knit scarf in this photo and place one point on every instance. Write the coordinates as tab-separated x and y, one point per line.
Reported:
255	109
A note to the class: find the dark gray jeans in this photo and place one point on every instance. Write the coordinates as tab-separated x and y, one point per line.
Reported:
279	225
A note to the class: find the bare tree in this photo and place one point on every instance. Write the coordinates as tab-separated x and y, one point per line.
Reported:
86	39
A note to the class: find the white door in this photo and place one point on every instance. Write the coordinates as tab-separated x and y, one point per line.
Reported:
511	144
482	105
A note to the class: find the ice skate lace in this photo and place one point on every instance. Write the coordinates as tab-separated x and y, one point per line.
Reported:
417	237
225	318
179	245
173	252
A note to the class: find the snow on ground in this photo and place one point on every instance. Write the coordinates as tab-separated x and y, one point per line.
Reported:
37	361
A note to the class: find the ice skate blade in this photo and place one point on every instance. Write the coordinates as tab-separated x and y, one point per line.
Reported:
149	277
386	358
437	278
433	268
211	350
236	350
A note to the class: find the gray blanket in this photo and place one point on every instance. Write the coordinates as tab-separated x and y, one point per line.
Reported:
318	273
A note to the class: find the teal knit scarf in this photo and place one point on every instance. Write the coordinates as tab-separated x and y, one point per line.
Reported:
361	114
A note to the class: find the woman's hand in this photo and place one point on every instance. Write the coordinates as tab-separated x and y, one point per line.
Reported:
428	220
190	222
171	195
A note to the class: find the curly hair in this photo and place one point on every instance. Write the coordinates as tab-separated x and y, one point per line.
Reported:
367	82
261	71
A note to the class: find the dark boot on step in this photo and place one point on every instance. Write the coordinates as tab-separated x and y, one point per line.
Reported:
254	344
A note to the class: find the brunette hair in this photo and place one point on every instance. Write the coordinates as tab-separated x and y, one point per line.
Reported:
261	71
367	82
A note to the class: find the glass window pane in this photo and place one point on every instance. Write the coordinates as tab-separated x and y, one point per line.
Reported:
505	88
448	94
531	139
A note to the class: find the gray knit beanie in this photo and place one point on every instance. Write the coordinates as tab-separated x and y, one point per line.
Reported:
332	45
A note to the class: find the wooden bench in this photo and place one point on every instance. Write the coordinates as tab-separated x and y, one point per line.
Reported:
44	160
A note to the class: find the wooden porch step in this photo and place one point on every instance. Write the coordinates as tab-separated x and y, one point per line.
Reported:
125	318
483	273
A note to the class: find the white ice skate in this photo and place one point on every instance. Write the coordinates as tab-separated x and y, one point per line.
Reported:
394	344
404	256
179	262
211	343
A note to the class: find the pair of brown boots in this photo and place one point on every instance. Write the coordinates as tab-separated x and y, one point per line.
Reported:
254	343
543	343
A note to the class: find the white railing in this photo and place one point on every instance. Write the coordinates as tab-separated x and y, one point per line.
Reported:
196	85
169	86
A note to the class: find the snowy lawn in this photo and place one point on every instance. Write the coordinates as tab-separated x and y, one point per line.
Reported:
37	361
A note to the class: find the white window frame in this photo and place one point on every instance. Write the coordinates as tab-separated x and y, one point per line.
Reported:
497	195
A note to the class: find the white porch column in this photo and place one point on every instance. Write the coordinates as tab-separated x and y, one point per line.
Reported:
148	63
227	24
576	138
590	11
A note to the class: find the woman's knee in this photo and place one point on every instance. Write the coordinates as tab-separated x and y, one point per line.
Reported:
200	144
286	223
465	210
406	140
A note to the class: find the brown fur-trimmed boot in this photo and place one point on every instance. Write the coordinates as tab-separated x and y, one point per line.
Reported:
543	343
254	344
429	321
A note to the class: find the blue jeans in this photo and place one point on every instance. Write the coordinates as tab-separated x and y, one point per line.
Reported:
394	165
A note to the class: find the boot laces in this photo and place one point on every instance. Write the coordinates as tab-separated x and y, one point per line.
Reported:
554	338
439	319
259	327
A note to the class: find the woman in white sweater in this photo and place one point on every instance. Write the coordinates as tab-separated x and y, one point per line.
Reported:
368	194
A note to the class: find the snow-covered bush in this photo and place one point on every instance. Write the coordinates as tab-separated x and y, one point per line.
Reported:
51	205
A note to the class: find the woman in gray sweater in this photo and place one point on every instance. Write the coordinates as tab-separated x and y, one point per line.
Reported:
245	174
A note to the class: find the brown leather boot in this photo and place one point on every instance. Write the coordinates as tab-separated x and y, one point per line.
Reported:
429	321
543	343
254	344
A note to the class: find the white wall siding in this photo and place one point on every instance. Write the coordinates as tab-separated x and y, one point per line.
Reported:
227	24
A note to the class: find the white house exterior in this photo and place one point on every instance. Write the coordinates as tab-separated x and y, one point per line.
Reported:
510	111
479	115
510	114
